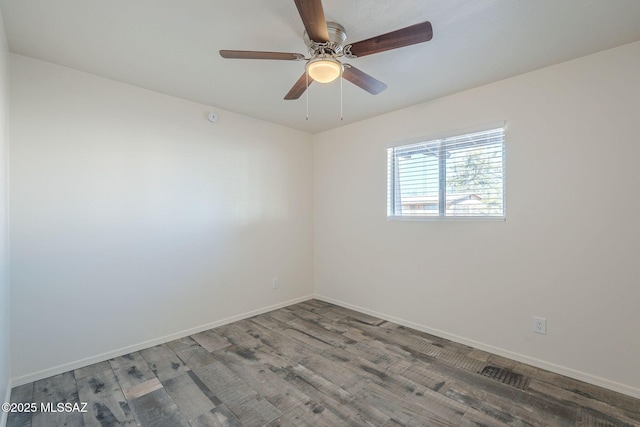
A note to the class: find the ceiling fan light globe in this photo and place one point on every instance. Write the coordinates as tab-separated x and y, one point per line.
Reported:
324	70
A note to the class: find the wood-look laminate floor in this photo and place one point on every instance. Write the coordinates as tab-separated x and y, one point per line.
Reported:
316	364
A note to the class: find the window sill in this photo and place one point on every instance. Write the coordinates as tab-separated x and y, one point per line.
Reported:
446	218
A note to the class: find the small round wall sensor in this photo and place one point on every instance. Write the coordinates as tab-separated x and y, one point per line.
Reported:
213	117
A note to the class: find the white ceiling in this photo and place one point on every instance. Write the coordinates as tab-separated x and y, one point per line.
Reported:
171	46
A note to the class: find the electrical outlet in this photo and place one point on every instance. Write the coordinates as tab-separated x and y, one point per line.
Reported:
540	325
276	285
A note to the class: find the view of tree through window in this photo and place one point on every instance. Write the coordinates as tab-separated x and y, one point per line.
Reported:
460	176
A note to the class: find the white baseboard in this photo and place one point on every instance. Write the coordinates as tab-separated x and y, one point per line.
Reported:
45	373
562	370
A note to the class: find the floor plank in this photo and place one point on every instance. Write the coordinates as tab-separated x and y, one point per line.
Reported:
52	391
157	409
21	394
106	404
164	362
192	397
211	341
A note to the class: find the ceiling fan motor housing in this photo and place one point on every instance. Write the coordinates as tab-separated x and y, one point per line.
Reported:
335	44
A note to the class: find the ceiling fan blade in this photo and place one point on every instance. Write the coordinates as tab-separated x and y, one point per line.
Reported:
252	54
363	80
312	16
299	87
418	33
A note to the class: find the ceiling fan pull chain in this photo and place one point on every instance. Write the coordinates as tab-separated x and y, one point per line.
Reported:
307	93
341	118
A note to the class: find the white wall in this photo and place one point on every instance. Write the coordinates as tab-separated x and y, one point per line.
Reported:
135	218
568	250
5	345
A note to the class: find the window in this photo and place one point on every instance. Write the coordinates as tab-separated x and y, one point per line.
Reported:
453	177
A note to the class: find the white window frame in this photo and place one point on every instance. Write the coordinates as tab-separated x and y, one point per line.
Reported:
438	144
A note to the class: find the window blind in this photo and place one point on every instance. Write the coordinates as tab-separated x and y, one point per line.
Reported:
453	177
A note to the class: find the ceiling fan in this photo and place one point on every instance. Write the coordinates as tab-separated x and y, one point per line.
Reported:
326	43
